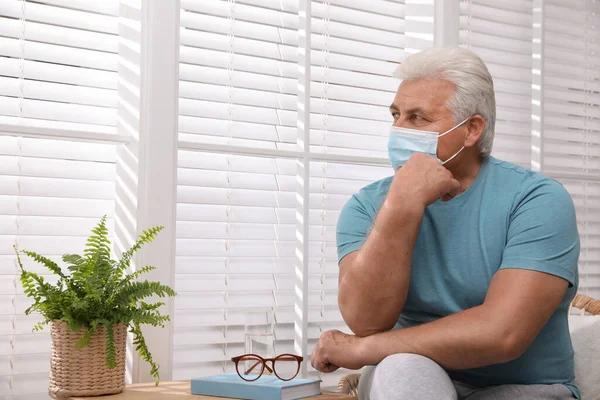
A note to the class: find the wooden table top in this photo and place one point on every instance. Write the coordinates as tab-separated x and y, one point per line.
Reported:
180	390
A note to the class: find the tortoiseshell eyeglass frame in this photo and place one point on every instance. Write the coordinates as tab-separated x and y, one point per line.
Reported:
260	361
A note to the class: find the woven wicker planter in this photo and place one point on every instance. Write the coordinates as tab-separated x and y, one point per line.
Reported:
83	372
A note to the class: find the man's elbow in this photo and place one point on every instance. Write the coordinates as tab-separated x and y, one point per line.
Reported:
364	331
511	346
362	325
358	313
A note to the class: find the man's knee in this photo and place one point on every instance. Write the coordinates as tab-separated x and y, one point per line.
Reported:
408	363
407	368
410	376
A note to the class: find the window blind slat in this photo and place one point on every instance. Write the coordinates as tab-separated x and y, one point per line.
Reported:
247	46
498	43
62	16
494	28
573	4
51	110
582	74
41	71
56	92
68	37
588	59
56	150
10	47
104	7
269	28
61	125
265	100
581	136
475	10
573	110
574	11
246	114
520	6
346	65
556	26
573	84
571	43
382	7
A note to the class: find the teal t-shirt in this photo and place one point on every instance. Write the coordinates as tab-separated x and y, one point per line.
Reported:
510	217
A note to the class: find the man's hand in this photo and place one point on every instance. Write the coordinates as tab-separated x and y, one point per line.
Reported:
335	350
425	180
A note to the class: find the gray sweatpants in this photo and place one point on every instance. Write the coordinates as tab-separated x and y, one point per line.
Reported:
414	377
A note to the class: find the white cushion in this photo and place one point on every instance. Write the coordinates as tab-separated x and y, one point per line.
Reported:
585	335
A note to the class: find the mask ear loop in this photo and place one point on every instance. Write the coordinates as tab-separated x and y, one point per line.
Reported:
455	154
447	132
451	129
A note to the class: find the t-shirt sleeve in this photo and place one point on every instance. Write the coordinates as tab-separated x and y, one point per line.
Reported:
353	226
542	233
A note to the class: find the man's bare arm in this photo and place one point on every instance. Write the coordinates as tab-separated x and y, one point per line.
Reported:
518	305
374	280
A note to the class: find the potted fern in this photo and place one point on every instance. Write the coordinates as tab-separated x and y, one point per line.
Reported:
90	308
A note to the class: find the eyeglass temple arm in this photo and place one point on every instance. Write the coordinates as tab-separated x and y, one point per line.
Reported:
255	365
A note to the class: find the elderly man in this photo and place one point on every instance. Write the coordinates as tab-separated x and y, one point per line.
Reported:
456	273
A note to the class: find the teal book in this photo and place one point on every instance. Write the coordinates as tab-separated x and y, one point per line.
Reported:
264	388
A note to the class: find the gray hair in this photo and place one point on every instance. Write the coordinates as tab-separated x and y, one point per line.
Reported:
474	88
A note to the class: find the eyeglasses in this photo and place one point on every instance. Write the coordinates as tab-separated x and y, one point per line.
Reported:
284	366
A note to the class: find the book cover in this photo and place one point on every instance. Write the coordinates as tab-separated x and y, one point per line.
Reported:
264	388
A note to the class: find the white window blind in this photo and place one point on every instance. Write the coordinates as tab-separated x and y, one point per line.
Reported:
51	194
501	34
352	86
237	86
571	87
571	118
58	63
235	251
236	213
237	76
238	72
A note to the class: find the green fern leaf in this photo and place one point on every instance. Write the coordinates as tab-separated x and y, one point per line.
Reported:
136	274
39	326
74	261
111	353
135	291
150	307
85	339
147	236
142	349
51	265
98	245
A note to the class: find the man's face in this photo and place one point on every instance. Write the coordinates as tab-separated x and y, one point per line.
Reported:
421	104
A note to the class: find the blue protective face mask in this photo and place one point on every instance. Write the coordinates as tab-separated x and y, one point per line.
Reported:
404	142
